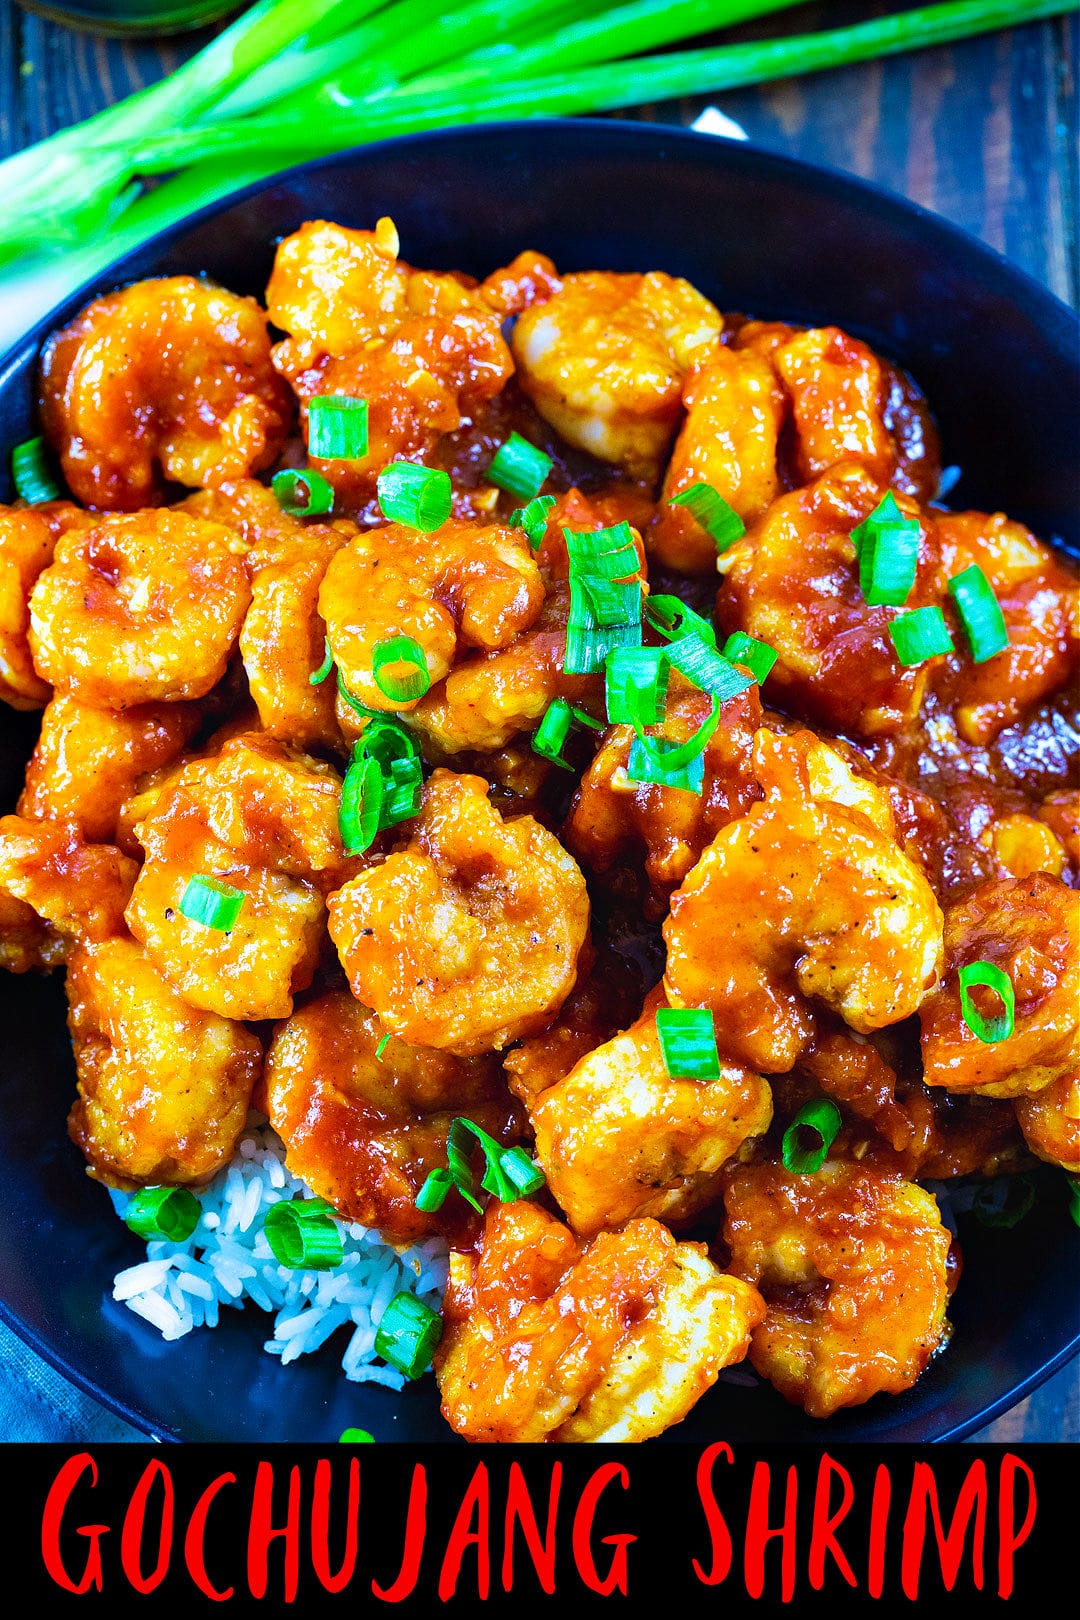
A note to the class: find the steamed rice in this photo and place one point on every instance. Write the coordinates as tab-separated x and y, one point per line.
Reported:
227	1261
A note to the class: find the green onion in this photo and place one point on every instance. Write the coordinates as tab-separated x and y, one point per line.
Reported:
532	519
303	494
418	497
688	1043
337	428
707	507
708	669
605	600
403	792
319	675
31	474
407	1334
553	730
636	681
524	1175
671	764
384	1042
386	740
509	1173
355	1437
672	618
211	903
809	1137
354	703
887	546
171	1213
1004	1202
979	612
438	1184
361	804
991	977
1074	1197
919	635
402	686
303	1236
756	656
519	467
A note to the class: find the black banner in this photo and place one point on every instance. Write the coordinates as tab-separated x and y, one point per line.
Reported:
518	1529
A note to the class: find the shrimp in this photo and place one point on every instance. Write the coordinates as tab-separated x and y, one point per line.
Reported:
852	1263
793	582
1061	813
530	278
165	381
604	1000
807	896
468	938
1029	928
335	290
611	1341
163	1089
604	361
1022	845
263	819
1050	1121
364	1124
462	585
27	944
87	762
142	608
28	537
735	408
836	389
619	1137
78	890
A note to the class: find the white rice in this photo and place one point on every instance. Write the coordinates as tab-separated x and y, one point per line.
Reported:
227	1261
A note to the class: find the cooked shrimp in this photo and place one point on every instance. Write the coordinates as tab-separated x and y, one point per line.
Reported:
463	585
163	1089
528	279
604	361
1030	929
87	762
836	390
1061	813
27	944
468	938
79	890
141	608
618	1137
612	1341
603	1002
28	537
793	582
1022	845
735	408
164	381
1050	1121
852	1263
363	1127
802	898
334	290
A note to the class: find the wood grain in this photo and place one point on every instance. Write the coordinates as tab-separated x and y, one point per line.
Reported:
982	132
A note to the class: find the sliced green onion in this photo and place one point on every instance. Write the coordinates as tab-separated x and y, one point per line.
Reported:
407	1334
524	1174
438	1184
887	546
666	760
337	428
355	1437
303	1236
556	726
31	474
887	511
756	656
211	903
635	685
919	635
319	675
303	494
361	804
381	1048
991	977
687	1038
674	619
1004	1202
403	792
533	519
509	1173
709	670
171	1213
980	613
605	596
1074	1197
400	686
647	763
809	1137
715	516
519	467
610	553
418	497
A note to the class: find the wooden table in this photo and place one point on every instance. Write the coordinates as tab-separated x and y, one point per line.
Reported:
983	132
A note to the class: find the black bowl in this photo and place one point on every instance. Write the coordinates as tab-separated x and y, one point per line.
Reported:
995	354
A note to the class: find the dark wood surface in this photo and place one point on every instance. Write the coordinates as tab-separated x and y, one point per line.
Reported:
983	132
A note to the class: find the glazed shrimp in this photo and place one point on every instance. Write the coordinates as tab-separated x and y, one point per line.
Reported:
852	1263
164	381
78	890
1050	1121
604	360
613	1340
140	608
28	536
464	585
618	1137
468	938
803	898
